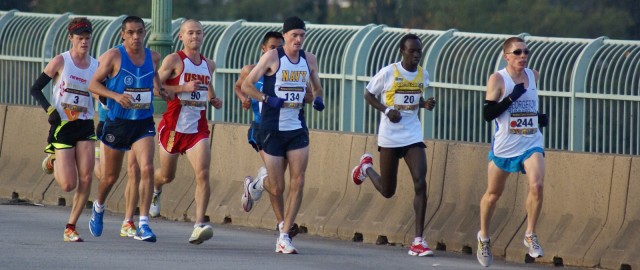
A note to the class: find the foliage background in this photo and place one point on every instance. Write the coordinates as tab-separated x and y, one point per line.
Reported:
617	19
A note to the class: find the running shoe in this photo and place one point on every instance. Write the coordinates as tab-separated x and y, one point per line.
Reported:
128	229
247	200
95	223
154	209
144	233
420	249
71	235
358	172
535	250
256	192
483	253
47	163
284	246
200	234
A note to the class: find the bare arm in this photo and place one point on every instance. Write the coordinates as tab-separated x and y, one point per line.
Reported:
267	62
237	88
495	87
158	88
213	99
314	77
109	62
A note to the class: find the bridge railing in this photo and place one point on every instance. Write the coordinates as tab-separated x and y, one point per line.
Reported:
589	87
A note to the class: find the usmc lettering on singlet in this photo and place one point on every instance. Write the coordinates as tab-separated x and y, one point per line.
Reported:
199	77
294	76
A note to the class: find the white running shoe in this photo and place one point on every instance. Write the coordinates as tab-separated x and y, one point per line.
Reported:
535	250
247	200
284	246
154	210
200	234
256	192
483	253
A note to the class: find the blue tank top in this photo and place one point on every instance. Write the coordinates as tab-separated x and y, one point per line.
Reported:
136	81
255	105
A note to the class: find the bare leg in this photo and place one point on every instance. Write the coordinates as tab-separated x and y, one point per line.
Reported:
416	160
199	156
534	166
298	160
495	186
131	190
144	150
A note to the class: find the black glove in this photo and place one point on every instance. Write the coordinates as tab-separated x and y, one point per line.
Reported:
543	120
103	100
54	117
518	90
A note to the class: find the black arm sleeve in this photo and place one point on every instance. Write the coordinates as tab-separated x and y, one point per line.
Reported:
36	90
493	109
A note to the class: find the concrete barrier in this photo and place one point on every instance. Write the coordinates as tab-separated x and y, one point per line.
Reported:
616	215
575	208
341	222
231	160
590	216
23	142
457	221
325	179
623	248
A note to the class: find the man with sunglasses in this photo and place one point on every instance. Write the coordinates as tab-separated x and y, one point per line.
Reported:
512	102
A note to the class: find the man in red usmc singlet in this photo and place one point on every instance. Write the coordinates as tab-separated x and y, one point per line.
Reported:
184	128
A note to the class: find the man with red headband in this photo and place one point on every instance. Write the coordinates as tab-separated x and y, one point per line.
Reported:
71	136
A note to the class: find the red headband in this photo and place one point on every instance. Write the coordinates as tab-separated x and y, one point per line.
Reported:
81	24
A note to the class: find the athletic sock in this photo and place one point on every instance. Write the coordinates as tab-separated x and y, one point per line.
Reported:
417	240
280	225
483	239
143	220
99	208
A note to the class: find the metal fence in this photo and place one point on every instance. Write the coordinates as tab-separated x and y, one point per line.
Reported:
589	87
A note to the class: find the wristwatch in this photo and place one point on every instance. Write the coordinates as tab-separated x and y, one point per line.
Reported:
264	98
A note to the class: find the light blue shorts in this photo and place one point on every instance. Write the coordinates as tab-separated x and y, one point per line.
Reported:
514	164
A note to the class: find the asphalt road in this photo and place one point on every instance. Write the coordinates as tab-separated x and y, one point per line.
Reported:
31	238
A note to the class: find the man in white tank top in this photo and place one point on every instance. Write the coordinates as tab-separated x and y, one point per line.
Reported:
512	103
184	128
72	135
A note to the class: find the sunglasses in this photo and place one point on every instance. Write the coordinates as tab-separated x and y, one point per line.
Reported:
519	52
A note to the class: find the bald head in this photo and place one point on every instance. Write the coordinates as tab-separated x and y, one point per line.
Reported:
190	24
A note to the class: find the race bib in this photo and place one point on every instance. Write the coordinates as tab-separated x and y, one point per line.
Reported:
523	123
140	97
293	96
75	102
196	99
404	100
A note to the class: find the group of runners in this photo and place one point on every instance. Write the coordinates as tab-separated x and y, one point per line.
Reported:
276	89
